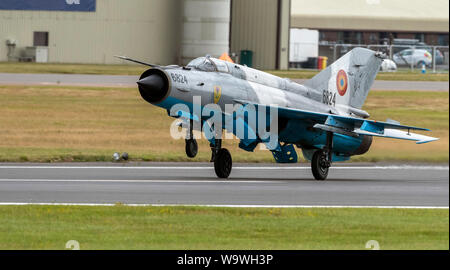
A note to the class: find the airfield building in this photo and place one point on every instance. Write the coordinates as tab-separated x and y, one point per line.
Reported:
176	31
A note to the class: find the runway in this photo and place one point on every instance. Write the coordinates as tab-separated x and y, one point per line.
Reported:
130	81
249	184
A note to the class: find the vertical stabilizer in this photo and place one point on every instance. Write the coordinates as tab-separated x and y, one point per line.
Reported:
350	77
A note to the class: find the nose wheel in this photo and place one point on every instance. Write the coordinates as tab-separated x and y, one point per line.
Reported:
191	143
191	148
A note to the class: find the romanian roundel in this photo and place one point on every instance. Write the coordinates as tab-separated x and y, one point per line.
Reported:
342	82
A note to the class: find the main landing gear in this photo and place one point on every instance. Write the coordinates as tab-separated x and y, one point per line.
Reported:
221	158
322	159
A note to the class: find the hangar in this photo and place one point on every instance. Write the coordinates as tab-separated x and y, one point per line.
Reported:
175	31
148	29
371	21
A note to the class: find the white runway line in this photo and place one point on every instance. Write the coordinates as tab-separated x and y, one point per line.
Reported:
227	206
406	167
141	181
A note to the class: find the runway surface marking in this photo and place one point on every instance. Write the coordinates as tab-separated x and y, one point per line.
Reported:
238	168
228	205
140	181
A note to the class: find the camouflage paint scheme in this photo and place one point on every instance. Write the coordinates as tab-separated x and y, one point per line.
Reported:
329	102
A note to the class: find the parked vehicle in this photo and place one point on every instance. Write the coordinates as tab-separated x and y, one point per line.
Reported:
399	45
439	57
417	57
388	66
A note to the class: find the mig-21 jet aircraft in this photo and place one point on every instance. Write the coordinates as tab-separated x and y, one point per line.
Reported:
323	117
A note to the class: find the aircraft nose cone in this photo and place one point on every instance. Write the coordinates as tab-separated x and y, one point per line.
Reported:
152	84
152	88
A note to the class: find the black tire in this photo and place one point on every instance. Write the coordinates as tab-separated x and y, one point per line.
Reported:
223	163
320	172
191	148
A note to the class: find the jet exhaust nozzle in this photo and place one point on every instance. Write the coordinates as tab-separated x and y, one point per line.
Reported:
153	86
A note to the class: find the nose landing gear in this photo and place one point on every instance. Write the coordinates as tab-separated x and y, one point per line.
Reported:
191	143
191	148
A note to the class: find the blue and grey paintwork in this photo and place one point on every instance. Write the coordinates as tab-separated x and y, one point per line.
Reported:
305	112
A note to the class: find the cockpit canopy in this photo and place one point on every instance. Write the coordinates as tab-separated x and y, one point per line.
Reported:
209	64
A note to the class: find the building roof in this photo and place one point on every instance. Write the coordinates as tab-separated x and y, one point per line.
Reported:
377	15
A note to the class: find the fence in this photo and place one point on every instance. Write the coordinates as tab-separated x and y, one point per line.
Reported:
406	57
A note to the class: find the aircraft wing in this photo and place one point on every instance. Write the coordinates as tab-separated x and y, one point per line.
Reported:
352	126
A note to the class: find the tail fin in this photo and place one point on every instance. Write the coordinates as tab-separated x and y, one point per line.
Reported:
350	77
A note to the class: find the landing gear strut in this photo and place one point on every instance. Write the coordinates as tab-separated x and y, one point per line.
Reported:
221	158
191	144
321	160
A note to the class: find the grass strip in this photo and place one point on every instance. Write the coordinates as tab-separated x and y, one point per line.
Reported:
124	227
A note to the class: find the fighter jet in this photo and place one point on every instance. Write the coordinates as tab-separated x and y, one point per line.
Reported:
323	117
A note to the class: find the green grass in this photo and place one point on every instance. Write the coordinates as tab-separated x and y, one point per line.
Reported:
123	227
423	109
15	67
400	75
51	124
408	75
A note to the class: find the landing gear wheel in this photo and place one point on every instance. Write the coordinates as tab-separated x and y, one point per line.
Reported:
223	163
320	165
191	148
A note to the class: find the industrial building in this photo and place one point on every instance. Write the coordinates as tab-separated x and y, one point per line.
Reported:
374	21
176	31
147	29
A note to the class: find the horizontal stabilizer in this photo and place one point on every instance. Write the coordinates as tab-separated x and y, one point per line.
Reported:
399	134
